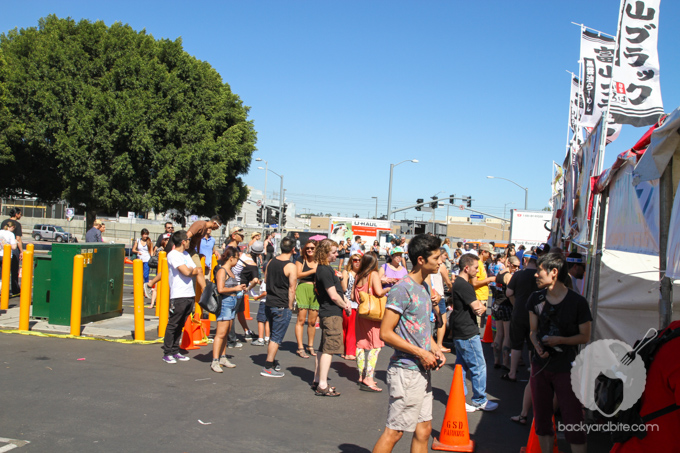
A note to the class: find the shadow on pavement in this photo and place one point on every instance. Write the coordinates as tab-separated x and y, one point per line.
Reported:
306	375
351	448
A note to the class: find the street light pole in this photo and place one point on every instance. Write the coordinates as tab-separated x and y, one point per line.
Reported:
376	207
505	206
526	190
264	196
389	193
280	196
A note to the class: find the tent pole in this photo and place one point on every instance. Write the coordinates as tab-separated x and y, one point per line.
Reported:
593	288
665	209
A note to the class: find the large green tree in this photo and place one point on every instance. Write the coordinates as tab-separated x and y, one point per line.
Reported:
112	119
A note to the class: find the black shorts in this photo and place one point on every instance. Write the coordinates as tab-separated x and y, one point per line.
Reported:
519	333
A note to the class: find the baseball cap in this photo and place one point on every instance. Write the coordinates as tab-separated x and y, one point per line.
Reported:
396	250
485	248
257	247
543	248
238	230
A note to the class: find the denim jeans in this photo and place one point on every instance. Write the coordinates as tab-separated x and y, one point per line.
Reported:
145	272
279	319
469	354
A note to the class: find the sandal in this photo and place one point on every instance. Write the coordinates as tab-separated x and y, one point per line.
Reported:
301	353
369	388
311	350
506	377
520	419
315	385
328	391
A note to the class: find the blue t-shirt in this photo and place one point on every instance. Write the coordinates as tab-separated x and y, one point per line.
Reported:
206	249
412	301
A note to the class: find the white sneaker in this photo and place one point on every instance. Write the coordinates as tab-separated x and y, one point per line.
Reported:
488	406
215	366
147	291
470	408
224	361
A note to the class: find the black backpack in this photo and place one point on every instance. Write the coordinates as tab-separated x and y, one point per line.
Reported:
632	415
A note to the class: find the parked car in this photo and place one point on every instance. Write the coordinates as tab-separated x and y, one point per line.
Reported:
52	233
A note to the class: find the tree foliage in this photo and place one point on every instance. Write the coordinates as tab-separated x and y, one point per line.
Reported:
115	120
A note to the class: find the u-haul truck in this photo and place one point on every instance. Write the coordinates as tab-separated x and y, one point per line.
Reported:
343	228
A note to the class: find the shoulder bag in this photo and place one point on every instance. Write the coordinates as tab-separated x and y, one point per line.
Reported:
211	300
371	307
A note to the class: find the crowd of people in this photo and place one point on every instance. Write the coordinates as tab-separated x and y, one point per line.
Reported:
531	295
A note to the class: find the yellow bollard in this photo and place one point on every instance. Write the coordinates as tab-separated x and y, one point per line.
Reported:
138	284
26	290
30	247
162	254
76	294
165	299
6	263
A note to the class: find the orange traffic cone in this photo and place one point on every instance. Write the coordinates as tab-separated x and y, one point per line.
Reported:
188	336
488	334
533	446
246	307
127	260
198	333
455	434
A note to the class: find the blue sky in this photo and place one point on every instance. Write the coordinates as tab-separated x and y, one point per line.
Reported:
338	90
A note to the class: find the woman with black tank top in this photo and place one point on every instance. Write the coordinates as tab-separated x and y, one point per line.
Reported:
502	313
228	286
308	306
268	250
342	254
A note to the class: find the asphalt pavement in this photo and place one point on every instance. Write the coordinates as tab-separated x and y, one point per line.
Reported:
65	395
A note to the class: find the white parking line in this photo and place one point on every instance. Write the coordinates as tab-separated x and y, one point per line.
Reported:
12	444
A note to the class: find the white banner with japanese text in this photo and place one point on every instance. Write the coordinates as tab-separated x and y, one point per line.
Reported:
637	95
597	58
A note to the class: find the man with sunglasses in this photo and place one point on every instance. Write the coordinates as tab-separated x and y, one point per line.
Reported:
169	229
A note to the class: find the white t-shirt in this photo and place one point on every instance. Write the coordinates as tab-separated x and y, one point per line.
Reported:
180	284
6	237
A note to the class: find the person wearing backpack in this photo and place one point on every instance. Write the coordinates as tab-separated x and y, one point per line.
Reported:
660	401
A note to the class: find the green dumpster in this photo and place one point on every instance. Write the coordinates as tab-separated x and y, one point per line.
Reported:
102	282
42	278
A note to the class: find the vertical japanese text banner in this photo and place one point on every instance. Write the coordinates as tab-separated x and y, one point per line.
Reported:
637	95
597	58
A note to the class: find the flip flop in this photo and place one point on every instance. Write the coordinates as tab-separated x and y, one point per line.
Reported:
506	377
369	388
519	419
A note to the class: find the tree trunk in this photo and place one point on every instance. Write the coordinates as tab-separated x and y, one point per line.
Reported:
90	217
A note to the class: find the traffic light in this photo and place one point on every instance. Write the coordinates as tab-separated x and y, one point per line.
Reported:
453	198
434	204
283	214
418	201
260	217
469	201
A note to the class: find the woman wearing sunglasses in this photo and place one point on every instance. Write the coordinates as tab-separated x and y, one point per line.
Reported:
349	321
308	305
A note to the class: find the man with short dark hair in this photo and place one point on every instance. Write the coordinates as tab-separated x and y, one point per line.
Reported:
18	252
406	327
356	246
281	281
469	353
577	269
181	273
297	249
206	249
169	229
